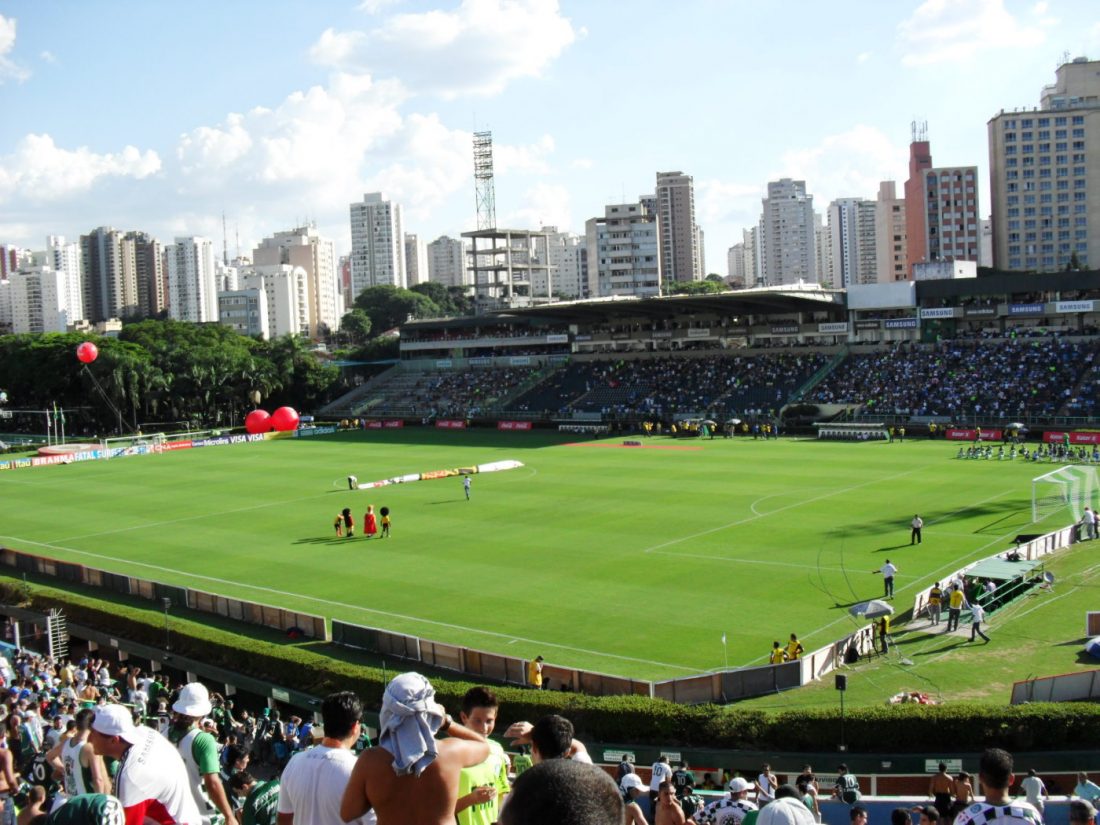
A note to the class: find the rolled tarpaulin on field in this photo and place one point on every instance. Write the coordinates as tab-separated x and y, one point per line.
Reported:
491	467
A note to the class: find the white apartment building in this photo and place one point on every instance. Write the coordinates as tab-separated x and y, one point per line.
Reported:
447	261
377	244
39	298
681	246
567	257
5	305
286	293
787	234
245	310
65	257
852	243
416	260
192	281
108	267
624	252
304	247
824	257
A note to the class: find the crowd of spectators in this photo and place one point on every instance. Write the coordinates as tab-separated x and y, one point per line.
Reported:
1014	378
84	744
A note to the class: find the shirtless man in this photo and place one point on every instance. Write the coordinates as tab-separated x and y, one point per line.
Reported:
669	811
941	789
9	784
412	777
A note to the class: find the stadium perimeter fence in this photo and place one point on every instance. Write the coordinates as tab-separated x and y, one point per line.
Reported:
719	686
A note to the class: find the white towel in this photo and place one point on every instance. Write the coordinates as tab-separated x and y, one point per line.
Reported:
410	718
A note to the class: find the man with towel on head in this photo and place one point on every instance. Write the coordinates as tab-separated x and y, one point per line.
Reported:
411	776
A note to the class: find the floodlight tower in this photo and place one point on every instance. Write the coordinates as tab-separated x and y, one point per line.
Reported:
484	189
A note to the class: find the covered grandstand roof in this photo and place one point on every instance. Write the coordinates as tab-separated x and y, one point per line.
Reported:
772	300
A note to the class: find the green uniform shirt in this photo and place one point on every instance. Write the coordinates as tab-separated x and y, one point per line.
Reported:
99	808
262	805
493	772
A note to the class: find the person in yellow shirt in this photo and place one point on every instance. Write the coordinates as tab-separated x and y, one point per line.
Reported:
534	673
794	648
778	654
955	602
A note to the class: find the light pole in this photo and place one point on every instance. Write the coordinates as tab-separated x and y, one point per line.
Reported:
167	604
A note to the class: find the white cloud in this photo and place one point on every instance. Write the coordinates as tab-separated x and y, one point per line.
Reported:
375	6
849	164
950	31
544	204
582	163
8	67
477	49
727	202
530	158
48	57
39	170
863	57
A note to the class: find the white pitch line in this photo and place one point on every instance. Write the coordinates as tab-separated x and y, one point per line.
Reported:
356	607
799	503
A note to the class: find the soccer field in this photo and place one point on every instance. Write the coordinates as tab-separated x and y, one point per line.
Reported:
632	561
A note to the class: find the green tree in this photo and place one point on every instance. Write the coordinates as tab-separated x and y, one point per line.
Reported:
355	326
716	278
390	306
696	288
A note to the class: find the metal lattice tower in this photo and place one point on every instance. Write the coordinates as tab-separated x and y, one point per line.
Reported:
484	189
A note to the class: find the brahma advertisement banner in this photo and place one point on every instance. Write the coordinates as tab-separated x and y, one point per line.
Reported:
1085	437
970	435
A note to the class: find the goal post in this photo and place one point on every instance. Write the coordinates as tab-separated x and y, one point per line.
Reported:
1074	486
114	445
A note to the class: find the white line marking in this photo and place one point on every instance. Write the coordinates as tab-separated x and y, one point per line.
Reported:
355	607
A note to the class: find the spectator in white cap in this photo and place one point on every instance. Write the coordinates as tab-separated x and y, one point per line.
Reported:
199	750
639	808
785	811
732	809
151	782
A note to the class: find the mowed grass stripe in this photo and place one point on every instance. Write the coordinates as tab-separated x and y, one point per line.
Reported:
553	552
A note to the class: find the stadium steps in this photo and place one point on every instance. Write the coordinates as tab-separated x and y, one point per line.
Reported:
819	376
1087	389
347	403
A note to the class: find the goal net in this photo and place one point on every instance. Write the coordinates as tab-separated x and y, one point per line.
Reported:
131	444
1073	486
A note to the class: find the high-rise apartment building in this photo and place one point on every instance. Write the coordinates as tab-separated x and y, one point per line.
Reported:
941	208
1044	174
741	260
9	260
681	250
65	258
39	300
447	261
416	260
192	280
568	259
852	250
304	247
245	311
624	251
377	244
5	305
787	239
890	234
286	292
108	265
152	280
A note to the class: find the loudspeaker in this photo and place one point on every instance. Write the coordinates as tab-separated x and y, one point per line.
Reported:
841	681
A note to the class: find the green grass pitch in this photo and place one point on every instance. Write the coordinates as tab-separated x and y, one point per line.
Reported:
632	561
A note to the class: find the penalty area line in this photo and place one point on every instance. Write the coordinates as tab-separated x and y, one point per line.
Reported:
359	608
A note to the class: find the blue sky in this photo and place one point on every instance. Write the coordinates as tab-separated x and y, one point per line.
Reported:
160	116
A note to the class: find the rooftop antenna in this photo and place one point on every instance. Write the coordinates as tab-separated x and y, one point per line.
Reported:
225	242
919	131
237	233
485	198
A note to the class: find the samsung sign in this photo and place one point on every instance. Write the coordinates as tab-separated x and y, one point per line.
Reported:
900	323
784	329
860	325
833	327
1026	309
1074	306
938	312
980	312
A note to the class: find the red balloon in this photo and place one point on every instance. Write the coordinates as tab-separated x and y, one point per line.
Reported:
285	419
258	421
87	352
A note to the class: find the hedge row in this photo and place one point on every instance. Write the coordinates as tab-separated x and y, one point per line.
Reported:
636	720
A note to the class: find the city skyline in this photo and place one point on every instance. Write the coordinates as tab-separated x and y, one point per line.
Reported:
284	116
